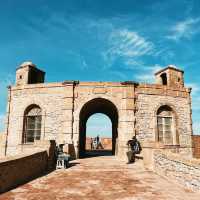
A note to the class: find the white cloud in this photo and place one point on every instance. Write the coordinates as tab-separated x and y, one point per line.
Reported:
130	44
4	82
156	68
84	64
196	103
196	128
148	74
195	88
119	74
127	44
145	78
133	64
184	29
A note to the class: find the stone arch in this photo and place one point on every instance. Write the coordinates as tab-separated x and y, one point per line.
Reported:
175	121
97	105
79	103
31	102
31	106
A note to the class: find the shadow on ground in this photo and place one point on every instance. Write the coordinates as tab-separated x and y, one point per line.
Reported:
96	153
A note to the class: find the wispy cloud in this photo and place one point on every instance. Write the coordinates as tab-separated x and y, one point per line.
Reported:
147	78
118	74
195	88
4	82
134	64
127	44
196	128
184	29
196	103
148	74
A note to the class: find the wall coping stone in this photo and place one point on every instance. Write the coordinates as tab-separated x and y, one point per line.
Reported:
18	157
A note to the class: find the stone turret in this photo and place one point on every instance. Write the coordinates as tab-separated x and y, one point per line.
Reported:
170	76
28	73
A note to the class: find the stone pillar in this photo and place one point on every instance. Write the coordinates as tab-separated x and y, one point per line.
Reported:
66	134
126	119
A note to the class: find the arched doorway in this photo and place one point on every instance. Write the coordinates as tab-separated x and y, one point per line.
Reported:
98	135
98	105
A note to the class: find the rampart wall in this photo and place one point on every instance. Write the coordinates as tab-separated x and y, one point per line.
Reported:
176	168
15	171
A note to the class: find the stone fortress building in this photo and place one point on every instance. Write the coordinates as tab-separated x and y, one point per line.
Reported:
158	114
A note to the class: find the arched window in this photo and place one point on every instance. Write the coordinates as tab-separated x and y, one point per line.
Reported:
32	126
165	125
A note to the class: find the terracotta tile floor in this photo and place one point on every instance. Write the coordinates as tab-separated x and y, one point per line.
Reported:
100	178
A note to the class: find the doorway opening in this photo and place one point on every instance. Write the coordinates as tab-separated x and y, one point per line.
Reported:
98	107
98	135
164	78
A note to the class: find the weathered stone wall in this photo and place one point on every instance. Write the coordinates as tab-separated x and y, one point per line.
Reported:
177	168
61	104
2	144
122	96
55	100
149	99
196	146
18	170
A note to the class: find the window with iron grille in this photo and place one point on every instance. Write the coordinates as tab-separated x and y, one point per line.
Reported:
164	122
33	120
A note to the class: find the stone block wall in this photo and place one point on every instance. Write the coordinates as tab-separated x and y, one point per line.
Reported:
2	144
149	99
55	101
62	103
18	170
196	146
182	170
121	95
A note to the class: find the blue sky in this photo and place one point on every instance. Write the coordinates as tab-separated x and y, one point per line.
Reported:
99	124
97	40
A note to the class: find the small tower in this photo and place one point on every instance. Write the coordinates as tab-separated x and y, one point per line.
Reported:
170	76
28	73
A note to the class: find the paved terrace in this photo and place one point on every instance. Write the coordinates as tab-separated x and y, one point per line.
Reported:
101	178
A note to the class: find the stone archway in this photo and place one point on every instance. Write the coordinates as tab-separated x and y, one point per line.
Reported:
97	105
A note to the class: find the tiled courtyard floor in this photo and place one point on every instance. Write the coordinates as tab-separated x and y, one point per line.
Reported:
100	178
